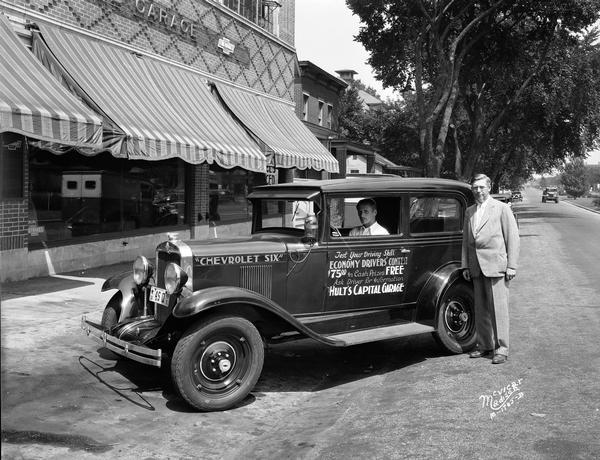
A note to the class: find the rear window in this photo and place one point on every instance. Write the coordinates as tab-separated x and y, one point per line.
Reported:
435	214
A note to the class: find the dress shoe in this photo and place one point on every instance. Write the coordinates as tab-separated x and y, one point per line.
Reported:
499	359
480	354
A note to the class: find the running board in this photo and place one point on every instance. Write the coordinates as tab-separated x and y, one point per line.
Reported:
381	333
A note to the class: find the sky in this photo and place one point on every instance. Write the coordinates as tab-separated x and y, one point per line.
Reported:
593	158
325	31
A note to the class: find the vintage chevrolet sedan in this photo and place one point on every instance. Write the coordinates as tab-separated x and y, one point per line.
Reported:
207	308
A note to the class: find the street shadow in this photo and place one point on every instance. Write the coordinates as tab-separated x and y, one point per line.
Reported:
310	366
42	285
300	366
64	281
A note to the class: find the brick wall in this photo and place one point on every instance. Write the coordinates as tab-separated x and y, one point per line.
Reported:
198	191
287	22
14	212
13	224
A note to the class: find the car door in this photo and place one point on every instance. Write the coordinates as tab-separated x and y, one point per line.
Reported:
364	272
434	236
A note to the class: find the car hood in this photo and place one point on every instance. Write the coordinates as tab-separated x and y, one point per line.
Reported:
241	246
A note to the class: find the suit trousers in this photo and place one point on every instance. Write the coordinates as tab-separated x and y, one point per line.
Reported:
491	313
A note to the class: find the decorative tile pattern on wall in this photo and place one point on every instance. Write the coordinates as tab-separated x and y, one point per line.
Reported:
187	31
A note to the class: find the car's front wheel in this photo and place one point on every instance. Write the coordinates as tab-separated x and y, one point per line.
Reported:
217	363
110	315
456	319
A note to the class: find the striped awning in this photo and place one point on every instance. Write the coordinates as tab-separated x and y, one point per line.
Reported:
276	124
152	110
34	104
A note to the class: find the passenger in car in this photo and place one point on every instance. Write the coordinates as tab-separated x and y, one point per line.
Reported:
367	213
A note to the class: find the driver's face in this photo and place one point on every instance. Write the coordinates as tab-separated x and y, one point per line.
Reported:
367	214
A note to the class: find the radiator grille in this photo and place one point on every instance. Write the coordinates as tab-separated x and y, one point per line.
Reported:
257	278
162	312
164	258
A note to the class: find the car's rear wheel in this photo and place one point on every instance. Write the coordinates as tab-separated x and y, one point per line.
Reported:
456	319
112	311
217	363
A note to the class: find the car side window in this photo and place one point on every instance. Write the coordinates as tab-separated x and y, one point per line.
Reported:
435	214
345	216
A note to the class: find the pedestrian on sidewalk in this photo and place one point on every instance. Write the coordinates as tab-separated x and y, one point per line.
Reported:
490	252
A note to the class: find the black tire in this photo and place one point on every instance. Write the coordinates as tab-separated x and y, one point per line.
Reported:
112	311
456	319
217	363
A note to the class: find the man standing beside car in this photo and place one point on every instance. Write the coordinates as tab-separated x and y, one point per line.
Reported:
490	253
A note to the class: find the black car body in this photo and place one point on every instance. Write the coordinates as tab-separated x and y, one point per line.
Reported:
550	194
208	307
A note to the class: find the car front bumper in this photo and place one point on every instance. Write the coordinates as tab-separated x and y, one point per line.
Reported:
137	353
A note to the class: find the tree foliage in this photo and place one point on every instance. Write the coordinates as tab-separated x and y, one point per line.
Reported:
499	85
574	178
351	118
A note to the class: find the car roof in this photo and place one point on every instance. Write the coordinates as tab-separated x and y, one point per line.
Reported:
368	185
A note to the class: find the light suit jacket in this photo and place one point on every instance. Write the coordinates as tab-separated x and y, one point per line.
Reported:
494	246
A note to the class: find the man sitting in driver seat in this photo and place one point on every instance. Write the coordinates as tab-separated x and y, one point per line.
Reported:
367	213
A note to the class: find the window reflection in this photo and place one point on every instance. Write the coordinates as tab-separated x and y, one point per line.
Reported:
228	192
73	196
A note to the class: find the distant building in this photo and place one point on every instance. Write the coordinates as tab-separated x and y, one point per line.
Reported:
318	96
369	101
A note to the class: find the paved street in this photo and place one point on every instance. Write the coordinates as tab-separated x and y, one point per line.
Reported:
62	398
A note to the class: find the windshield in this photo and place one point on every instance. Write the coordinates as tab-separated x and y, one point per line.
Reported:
282	214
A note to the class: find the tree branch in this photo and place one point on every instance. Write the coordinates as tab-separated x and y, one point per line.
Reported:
496	121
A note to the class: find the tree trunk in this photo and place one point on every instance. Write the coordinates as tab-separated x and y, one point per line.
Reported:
457	155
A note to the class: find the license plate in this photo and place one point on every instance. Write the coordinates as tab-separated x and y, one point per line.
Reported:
159	295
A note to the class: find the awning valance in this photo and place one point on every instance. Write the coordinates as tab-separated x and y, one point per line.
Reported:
152	110
34	104
276	124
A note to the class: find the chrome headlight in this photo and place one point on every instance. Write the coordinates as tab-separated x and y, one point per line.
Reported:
142	270
175	278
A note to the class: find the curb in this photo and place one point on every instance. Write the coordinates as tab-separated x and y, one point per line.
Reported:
582	207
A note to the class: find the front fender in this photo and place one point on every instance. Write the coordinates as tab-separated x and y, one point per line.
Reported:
125	284
434	288
215	297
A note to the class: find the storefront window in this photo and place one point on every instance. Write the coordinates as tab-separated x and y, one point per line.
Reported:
75	197
228	192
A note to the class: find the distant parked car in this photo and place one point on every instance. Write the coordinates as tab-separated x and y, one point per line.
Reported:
506	198
517	196
550	194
